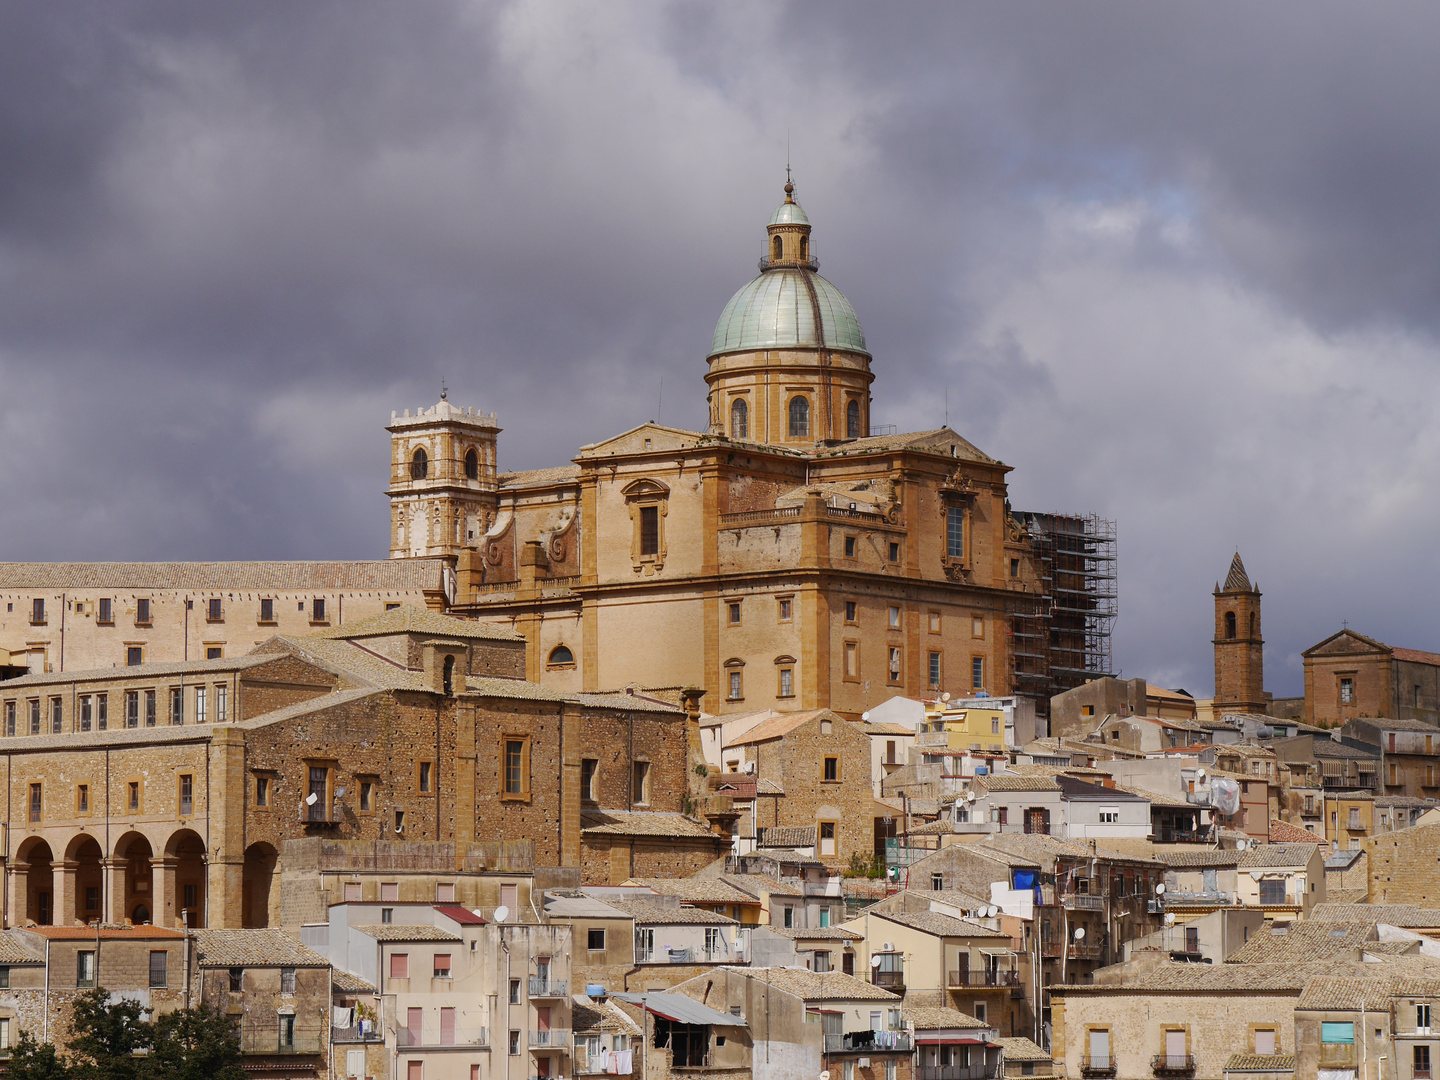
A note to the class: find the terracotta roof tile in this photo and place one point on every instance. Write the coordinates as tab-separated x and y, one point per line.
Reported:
393	575
1279	855
347	983
1283	832
651	913
1260	1063
253	948
777	727
934	1018
642	823
933	922
410	619
818	985
1019	1049
403	932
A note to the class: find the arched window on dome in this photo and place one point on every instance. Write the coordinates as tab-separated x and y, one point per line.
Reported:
419	464
739	419
804	247
776	247
1229	624
852	420
472	464
559	655
799	417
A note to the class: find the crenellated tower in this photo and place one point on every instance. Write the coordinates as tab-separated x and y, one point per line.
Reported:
442	479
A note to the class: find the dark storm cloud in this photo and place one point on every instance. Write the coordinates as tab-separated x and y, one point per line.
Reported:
1174	263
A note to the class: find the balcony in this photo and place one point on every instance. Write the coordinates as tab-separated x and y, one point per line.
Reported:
956	979
271	1042
541	987
957	1072
890	980
356	1034
868	1042
1083	902
1173	1065
555	1038
405	1038
1085	952
1097	1066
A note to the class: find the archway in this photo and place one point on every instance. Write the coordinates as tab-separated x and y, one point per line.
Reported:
85	859
259	873
37	860
186	852
135	855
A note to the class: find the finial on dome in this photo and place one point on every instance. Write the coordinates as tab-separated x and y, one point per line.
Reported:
444	392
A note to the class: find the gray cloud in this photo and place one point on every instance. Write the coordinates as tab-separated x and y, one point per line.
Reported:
1175	264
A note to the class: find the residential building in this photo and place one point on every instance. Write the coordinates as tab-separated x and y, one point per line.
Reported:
607	1040
1403	868
673	941
1281	878
1407	749
953	1045
819	948
1349	676
1080	711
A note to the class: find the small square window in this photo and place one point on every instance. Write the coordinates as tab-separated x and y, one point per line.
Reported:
595	940
134	656
213	652
849	547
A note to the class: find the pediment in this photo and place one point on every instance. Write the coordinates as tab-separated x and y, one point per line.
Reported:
661	439
1347	643
644	486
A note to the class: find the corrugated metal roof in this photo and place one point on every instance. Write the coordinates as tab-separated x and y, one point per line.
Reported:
681	1009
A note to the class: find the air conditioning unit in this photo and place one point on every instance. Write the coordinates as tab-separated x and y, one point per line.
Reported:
888	946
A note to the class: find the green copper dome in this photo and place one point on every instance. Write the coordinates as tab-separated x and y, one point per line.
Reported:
775	311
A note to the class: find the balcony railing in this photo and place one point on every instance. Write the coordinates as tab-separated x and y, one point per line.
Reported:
1097	1066
356	1034
556	1037
542	987
459	1037
887	979
867	1042
1085	952
982	978
980	1071
1083	902
270	1042
1173	1065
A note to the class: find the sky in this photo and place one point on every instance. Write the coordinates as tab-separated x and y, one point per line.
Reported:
1176	264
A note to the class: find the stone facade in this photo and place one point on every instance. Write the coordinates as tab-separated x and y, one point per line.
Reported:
1403	868
1239	648
1350	676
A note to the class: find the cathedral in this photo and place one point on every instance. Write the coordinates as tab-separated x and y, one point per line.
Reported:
789	557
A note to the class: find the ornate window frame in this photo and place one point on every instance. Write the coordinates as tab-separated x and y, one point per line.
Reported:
638	495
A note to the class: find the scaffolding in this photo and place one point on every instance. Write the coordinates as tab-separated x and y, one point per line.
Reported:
1061	636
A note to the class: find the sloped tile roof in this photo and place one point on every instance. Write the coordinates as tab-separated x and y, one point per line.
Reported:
403	932
820	985
1402	915
1237	580
559	474
1302	940
1016	782
815	933
788	836
14	949
935	1018
1340	993
410	619
348	983
1020	1049
1203	857
695	890
937	441
140	672
1279	855
587	1015
650	913
1260	1063
777	727
933	922
1283	832
394	575
1416	656
253	948
643	823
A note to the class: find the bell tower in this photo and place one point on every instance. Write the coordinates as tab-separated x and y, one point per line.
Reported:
1239	649
442	479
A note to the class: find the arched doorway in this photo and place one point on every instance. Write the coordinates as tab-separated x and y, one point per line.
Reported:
134	852
259	873
37	861
86	860
187	851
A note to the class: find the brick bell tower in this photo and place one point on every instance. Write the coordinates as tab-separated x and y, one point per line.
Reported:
1239	649
442	479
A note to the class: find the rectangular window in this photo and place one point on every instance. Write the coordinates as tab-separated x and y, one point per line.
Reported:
955	532
852	659
894	552
267	610
318	797
977	626
849	547
200	717
787	682
894	617
934	622
262	791
1422	1062
102	711
177	705
1347	691
134	795
4	978
1272	891
237	979
785	609
424	776
850	611
595	940
735	686
516	782
287	980
86	713
788	916
317	609
134	656
367	788
9	718
85	968
132	708
514	991
37	802
187	795
734	610
1422	1017
149	708
514	1044
103	612
212	609
37	611
894	667
977	672
82	799
445	892
57	715
35	717
1337	1032
389	891
222	704
831	771
934	671
399	965
827	839
640	791
442	966
192	898
159	959
142	610
1014	568
588	766
649	530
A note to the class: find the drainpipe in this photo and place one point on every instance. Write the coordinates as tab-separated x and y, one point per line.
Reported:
45	1028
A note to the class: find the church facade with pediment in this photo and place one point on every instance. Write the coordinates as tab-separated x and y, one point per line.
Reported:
786	558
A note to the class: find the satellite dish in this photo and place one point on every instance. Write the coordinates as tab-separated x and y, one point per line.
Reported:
945	696
874	961
1200	774
502	913
1160	889
1079	933
1169	918
864	716
825	1074
969	796
311	799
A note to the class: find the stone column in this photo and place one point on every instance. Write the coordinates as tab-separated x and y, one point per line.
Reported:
114	871
166	911
16	895
62	911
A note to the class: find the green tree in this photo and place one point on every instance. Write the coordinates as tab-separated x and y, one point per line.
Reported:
31	1060
106	1037
195	1044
